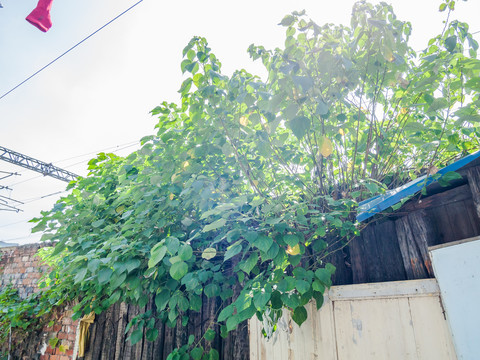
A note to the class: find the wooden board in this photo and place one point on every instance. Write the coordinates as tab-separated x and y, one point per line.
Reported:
374	329
436	341
315	339
384	321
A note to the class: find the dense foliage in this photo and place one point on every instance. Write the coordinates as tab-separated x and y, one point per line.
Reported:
19	317
254	183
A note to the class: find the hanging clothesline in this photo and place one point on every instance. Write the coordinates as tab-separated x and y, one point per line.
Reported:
73	47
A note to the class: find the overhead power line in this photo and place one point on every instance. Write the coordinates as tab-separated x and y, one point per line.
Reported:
73	47
28	201
15	223
116	147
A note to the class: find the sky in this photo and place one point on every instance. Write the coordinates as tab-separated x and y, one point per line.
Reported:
98	97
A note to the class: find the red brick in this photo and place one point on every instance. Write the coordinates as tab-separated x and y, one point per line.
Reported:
62	335
57	327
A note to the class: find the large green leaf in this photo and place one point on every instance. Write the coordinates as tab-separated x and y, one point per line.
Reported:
226	312
299	125
260	299
161	299
80	275
263	242
438	104
157	254
299	315
196	353
233	250
178	270
215	225
104	275
450	43
248	264
185	252
136	336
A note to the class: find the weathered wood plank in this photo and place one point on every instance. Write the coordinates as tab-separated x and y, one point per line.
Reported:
138	347
461	225
324	341
472	215
241	344
372	258
109	338
440	221
315	339
410	326
168	341
357	260
337	256
109	333
158	343
473	176
97	339
431	329
412	257
130	350
392	289
390	256
122	325
374	329
147	351
422	233
457	194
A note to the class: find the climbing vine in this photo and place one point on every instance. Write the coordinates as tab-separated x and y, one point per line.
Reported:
248	186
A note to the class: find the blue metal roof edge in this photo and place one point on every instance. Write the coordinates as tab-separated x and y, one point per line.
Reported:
376	204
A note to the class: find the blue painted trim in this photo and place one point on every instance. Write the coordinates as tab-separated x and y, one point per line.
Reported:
379	203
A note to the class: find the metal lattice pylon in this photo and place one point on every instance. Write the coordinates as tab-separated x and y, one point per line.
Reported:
36	165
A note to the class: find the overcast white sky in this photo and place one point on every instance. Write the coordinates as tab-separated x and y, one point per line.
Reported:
98	96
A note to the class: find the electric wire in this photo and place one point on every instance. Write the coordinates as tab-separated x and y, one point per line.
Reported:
14	223
17	238
66	52
28	201
96	152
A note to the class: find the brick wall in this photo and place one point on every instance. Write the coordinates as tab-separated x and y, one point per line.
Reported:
20	267
65	330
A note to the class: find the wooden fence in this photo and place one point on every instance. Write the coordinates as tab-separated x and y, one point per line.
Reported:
386	321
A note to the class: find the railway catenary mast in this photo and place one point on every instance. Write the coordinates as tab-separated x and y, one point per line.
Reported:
36	165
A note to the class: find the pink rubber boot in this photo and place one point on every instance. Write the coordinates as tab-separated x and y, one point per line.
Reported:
40	16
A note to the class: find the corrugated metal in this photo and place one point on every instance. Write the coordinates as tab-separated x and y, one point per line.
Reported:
374	205
386	321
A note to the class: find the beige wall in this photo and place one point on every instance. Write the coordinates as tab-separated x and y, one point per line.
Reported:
395	320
